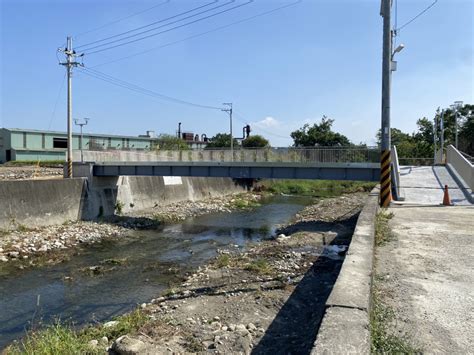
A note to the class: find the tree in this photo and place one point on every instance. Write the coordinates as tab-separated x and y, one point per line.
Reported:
466	132
319	135
420	143
221	140
255	141
170	142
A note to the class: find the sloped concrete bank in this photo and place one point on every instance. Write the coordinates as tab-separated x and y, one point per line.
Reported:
345	325
35	203
40	202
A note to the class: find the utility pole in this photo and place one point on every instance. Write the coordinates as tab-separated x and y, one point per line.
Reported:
441	126
435	127
229	110
69	64
385	169
81	124
456	106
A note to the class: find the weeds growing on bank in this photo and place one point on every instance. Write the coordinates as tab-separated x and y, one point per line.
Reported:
382	316
316	188
383	234
383	341
259	266
61	338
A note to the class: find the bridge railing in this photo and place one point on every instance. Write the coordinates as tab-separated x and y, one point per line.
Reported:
353	154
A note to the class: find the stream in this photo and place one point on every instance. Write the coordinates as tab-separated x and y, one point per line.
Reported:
110	278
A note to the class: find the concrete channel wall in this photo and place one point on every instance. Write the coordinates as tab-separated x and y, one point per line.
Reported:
40	202
34	203
345	328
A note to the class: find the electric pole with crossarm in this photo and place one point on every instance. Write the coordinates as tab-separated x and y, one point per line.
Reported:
69	64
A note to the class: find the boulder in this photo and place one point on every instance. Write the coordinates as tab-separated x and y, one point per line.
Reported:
126	345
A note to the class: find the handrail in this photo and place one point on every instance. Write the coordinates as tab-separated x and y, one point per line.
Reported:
461	164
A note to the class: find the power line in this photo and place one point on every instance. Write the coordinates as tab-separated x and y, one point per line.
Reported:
173	28
201	34
122	18
151	24
124	84
414	18
53	114
156	28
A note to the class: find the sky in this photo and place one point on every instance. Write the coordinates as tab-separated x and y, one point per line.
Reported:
280	70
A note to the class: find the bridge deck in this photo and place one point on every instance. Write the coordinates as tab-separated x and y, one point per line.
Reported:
425	185
326	171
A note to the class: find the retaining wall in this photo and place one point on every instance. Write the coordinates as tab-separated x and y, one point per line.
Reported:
40	202
46	202
135	193
345	328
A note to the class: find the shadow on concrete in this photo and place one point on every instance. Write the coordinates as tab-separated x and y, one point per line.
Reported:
294	329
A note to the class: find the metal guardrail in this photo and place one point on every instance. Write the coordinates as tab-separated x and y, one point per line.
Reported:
257	155
416	161
468	157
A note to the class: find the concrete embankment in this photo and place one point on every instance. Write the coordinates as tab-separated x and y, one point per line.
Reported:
40	202
345	327
36	203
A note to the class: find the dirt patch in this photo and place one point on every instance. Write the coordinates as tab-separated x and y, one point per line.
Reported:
267	299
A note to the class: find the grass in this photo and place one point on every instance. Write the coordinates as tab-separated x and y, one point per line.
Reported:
119	207
382	340
383	234
222	260
61	338
193	345
382	316
316	188
242	203
259	266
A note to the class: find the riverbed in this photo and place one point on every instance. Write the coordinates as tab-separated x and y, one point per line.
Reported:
111	277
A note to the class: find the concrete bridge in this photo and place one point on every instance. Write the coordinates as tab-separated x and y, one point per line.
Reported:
243	170
340	163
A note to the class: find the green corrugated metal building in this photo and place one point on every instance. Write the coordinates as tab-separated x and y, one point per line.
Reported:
29	144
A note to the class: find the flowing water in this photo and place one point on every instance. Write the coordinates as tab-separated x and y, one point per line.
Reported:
110	278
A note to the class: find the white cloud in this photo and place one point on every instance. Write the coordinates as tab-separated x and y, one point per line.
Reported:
267	122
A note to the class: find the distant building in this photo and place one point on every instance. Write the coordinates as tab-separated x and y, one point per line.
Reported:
32	145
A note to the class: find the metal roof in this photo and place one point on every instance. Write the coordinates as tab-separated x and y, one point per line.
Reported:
77	134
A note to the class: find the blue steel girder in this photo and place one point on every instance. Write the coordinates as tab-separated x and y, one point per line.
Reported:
239	170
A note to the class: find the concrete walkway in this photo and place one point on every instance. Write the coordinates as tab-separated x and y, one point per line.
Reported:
427	271
425	185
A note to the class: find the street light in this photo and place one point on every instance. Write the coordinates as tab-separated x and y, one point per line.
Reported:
455	107
399	48
229	111
81	123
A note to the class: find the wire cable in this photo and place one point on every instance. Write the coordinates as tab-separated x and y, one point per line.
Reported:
151	24
171	29
156	28
53	114
124	84
200	34
414	18
122	19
